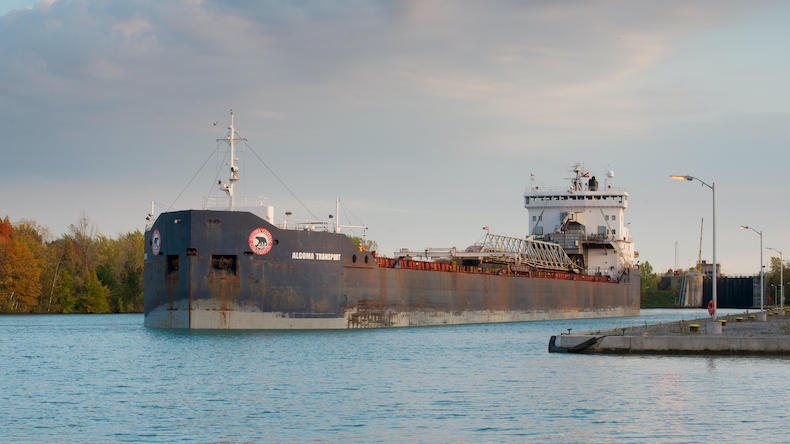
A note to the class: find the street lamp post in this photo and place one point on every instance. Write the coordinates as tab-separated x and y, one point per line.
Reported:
712	187
781	277
744	227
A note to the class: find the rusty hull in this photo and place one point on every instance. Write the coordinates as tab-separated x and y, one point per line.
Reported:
207	276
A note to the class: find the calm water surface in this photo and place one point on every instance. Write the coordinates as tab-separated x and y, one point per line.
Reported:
104	378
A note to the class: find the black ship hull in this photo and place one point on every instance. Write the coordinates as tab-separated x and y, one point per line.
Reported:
233	270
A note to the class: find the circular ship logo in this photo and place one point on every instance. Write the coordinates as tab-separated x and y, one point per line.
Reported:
156	242
260	241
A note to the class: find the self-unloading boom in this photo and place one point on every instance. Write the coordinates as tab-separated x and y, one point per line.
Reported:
538	254
529	252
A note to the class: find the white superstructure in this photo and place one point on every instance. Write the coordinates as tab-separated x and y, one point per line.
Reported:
587	219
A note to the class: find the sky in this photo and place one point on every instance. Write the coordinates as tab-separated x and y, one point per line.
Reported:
425	117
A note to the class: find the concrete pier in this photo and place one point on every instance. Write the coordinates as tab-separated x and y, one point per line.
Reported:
743	334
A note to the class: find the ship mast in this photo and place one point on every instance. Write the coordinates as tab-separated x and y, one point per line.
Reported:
234	170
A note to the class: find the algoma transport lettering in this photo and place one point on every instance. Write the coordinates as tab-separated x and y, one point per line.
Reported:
315	256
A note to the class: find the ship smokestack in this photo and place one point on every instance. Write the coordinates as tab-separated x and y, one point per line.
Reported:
592	185
270	214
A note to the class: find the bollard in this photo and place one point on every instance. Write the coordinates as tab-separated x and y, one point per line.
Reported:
739	319
693	328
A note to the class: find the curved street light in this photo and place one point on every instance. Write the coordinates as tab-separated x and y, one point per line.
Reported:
745	227
715	276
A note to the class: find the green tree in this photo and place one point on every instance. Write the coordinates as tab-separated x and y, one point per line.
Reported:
648	282
61	298
108	278
772	277
121	270
651	295
94	296
367	244
132	288
57	277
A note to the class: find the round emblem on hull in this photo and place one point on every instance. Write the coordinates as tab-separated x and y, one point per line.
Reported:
260	241
156	242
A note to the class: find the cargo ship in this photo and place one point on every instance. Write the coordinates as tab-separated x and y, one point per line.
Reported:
233	269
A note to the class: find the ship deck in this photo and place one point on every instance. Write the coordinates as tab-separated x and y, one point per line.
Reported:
384	262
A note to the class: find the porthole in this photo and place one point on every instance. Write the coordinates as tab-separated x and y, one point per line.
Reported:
354	258
366	258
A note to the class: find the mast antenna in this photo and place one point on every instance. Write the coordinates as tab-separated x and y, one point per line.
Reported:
234	170
699	257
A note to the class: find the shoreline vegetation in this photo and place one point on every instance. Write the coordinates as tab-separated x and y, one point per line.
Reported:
651	296
85	272
79	272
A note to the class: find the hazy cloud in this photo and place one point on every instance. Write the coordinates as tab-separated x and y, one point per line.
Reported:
381	101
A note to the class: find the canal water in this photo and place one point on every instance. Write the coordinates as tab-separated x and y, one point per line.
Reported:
105	378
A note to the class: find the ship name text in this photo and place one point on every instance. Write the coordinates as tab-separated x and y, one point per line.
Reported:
315	256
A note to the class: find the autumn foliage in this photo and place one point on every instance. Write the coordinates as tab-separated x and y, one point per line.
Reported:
79	272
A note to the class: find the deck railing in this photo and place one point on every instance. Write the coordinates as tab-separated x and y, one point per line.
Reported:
384	262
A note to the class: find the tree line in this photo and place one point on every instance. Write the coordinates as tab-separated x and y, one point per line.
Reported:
772	283
82	271
652	296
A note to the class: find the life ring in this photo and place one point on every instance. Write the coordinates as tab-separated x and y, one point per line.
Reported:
711	308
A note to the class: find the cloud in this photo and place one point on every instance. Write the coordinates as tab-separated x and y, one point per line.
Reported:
132	27
535	61
44	5
384	100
